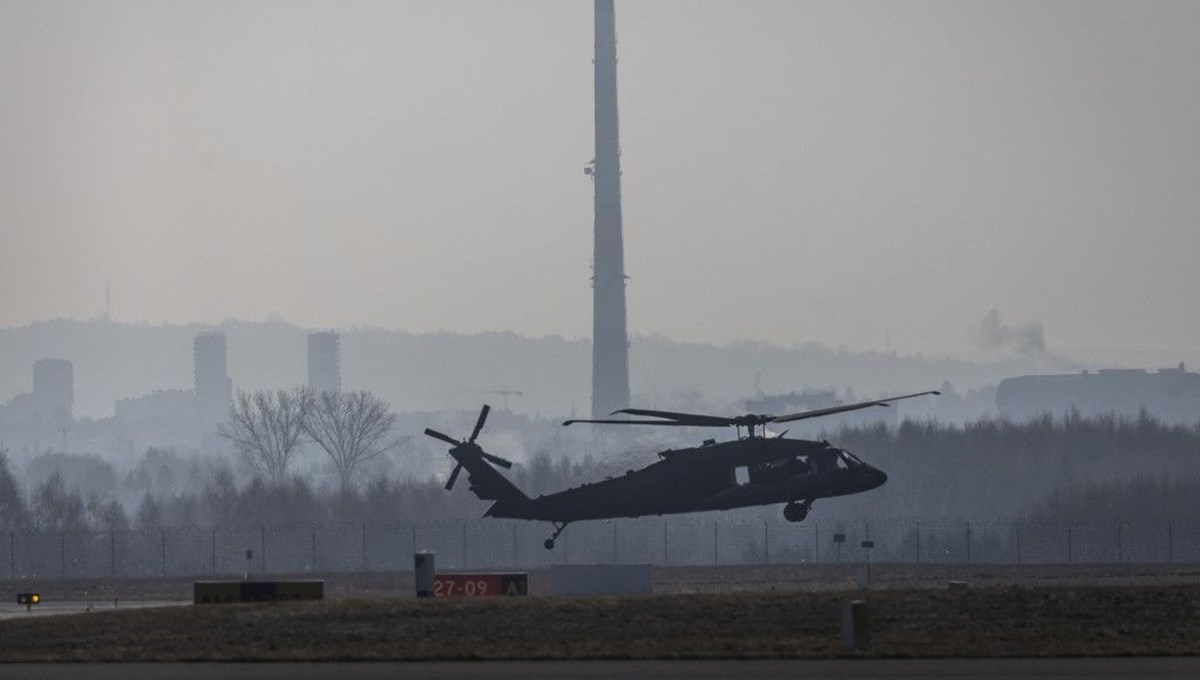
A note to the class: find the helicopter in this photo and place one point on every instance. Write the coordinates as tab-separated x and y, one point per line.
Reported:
760	468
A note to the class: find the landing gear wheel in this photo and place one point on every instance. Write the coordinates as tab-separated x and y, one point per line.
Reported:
796	512
558	529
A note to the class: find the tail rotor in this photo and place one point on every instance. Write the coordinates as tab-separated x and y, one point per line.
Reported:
469	443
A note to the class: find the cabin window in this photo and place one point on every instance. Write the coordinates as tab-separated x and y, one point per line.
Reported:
741	475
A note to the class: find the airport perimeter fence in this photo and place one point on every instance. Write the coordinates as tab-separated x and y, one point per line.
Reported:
502	544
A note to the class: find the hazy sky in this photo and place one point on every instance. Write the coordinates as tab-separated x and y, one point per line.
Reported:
843	172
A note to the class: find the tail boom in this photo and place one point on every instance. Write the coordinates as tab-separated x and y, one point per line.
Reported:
485	481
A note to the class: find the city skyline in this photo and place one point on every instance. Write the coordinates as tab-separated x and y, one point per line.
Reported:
872	176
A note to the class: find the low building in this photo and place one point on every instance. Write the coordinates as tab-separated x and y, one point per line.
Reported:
169	406
1170	394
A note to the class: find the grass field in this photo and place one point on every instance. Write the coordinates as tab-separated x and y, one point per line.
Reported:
924	622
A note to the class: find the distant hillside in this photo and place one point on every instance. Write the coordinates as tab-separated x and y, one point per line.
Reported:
450	370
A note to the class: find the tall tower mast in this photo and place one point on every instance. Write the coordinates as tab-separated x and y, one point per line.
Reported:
610	340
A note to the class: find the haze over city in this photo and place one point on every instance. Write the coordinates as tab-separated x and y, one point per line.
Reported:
869	175
755	325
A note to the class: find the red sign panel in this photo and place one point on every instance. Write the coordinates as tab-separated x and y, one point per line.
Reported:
480	585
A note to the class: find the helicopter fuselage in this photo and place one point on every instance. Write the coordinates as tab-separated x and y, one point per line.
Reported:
716	476
749	471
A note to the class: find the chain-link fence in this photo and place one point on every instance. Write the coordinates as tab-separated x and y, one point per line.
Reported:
501	544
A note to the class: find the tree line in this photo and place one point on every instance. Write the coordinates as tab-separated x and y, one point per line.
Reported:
1069	467
991	468
216	496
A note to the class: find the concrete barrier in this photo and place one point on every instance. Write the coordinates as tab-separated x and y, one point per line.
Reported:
601	579
214	592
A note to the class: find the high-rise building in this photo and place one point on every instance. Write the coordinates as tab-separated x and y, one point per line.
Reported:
610	340
324	362
214	389
53	390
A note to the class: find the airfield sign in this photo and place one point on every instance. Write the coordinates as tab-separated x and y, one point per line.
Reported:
480	585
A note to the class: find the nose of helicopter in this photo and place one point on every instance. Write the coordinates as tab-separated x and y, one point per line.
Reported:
871	477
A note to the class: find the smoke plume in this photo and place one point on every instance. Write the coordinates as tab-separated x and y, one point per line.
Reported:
1027	339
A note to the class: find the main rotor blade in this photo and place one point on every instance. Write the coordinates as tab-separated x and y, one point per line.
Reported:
681	418
817	413
483	414
453	476
671	423
444	437
496	459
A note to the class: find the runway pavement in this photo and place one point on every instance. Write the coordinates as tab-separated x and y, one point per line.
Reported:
876	669
11	610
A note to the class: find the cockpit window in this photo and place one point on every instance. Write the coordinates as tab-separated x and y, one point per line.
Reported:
777	464
847	459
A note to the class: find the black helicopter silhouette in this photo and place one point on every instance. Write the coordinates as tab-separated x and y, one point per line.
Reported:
758	469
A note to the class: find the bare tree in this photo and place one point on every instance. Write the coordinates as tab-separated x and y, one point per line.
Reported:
56	508
149	514
352	427
106	514
14	514
266	427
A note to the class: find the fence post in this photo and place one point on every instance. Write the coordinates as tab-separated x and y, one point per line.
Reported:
1070	559
1170	542
918	528
1120	548
614	541
766	542
1018	541
666	555
817	542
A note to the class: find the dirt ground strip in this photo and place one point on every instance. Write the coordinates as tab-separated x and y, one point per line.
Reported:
1000	621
